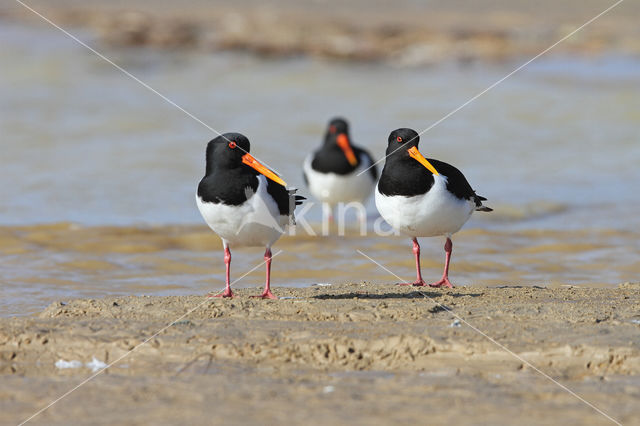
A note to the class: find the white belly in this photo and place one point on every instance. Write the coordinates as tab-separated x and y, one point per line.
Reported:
438	212
257	222
333	188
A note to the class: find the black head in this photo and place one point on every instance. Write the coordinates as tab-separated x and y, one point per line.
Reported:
226	151
400	141
336	140
403	148
231	151
336	127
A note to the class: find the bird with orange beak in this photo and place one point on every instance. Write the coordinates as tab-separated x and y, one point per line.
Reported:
243	201
333	173
423	197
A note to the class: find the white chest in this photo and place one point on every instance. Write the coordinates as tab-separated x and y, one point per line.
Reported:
333	188
256	222
438	212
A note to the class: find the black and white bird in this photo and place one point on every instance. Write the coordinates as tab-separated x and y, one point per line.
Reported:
423	198
243	201
333	173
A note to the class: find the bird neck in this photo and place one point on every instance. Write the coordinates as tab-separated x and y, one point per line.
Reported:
404	176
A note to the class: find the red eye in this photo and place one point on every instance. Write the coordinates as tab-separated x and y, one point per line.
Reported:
399	139
232	144
332	129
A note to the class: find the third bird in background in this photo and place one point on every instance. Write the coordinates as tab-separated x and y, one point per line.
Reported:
333	173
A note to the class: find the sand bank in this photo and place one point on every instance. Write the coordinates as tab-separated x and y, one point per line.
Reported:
357	353
403	33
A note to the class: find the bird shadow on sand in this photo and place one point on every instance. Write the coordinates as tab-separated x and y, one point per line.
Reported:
412	295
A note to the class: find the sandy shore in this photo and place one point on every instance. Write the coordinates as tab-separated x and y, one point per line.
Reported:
404	33
355	353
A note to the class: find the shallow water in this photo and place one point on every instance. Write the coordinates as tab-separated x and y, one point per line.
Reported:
555	148
45	263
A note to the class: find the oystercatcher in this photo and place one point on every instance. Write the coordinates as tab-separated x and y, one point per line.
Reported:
243	202
333	172
423	198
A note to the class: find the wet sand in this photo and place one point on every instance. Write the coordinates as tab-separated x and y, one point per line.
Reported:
404	33
355	353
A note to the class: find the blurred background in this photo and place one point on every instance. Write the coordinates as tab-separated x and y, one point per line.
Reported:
99	174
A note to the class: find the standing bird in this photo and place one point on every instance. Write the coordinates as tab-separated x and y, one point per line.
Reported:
423	198
333	172
243	202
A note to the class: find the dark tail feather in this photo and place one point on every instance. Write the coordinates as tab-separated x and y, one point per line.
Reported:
479	206
294	200
297	199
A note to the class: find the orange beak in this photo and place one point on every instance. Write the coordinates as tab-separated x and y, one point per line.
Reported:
415	154
343	142
253	163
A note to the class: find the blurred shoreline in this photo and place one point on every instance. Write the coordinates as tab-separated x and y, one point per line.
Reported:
401	33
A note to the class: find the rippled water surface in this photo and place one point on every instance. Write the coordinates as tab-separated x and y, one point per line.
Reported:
555	148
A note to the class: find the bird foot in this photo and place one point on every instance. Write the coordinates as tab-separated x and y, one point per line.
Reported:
444	282
265	295
224	294
417	283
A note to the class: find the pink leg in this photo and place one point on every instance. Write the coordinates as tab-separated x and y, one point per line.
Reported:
266	294
416	251
327	212
227	261
444	281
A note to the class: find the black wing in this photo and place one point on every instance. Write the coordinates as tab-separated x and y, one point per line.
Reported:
285	198
458	184
373	169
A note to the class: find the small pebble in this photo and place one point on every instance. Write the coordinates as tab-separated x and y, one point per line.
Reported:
328	389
